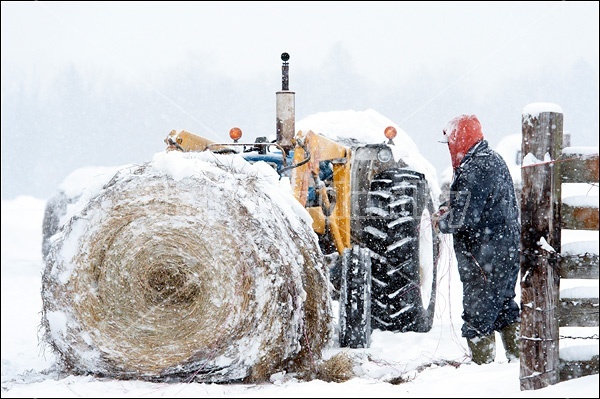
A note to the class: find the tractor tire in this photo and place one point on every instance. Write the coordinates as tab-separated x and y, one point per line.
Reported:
399	232
355	298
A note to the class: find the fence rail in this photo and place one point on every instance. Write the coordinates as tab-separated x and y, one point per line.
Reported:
544	213
583	266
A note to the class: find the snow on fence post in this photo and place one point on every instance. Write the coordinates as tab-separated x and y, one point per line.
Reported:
542	128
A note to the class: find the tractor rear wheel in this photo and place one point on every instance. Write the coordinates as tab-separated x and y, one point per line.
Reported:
399	232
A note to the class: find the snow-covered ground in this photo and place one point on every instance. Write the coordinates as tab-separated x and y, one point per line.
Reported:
433	364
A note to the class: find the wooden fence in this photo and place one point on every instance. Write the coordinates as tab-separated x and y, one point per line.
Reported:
546	166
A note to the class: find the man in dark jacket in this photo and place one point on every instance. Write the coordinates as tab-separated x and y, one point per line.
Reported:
483	217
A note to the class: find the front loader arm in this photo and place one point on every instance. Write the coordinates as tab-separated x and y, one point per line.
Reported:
321	149
186	141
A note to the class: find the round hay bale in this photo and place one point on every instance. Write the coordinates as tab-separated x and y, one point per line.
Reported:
193	267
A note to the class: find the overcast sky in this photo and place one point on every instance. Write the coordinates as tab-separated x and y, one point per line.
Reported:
418	63
387	40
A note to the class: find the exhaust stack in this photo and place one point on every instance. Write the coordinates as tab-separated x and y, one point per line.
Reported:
285	108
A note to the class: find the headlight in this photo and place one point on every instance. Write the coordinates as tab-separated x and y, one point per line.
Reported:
384	155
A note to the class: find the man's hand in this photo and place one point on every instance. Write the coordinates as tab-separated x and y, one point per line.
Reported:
435	218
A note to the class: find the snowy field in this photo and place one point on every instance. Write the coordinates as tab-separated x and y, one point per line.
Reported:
433	364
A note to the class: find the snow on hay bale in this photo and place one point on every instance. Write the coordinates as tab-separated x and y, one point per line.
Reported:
195	267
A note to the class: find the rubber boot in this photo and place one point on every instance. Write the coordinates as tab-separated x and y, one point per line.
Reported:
483	349
510	339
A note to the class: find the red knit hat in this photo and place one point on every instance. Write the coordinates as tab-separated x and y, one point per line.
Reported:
462	132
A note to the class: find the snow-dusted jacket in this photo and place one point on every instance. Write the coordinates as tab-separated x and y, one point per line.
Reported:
482	195
483	217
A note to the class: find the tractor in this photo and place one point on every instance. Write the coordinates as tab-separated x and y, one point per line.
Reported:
371	212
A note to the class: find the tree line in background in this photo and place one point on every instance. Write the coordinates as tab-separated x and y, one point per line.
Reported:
82	119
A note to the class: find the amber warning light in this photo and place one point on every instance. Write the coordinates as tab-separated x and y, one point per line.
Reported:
390	132
235	133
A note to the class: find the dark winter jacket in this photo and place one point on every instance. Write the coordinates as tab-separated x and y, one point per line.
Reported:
484	220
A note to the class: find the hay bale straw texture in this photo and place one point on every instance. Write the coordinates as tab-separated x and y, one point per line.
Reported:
191	267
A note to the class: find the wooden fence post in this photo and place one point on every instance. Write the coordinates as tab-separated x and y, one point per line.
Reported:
542	128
